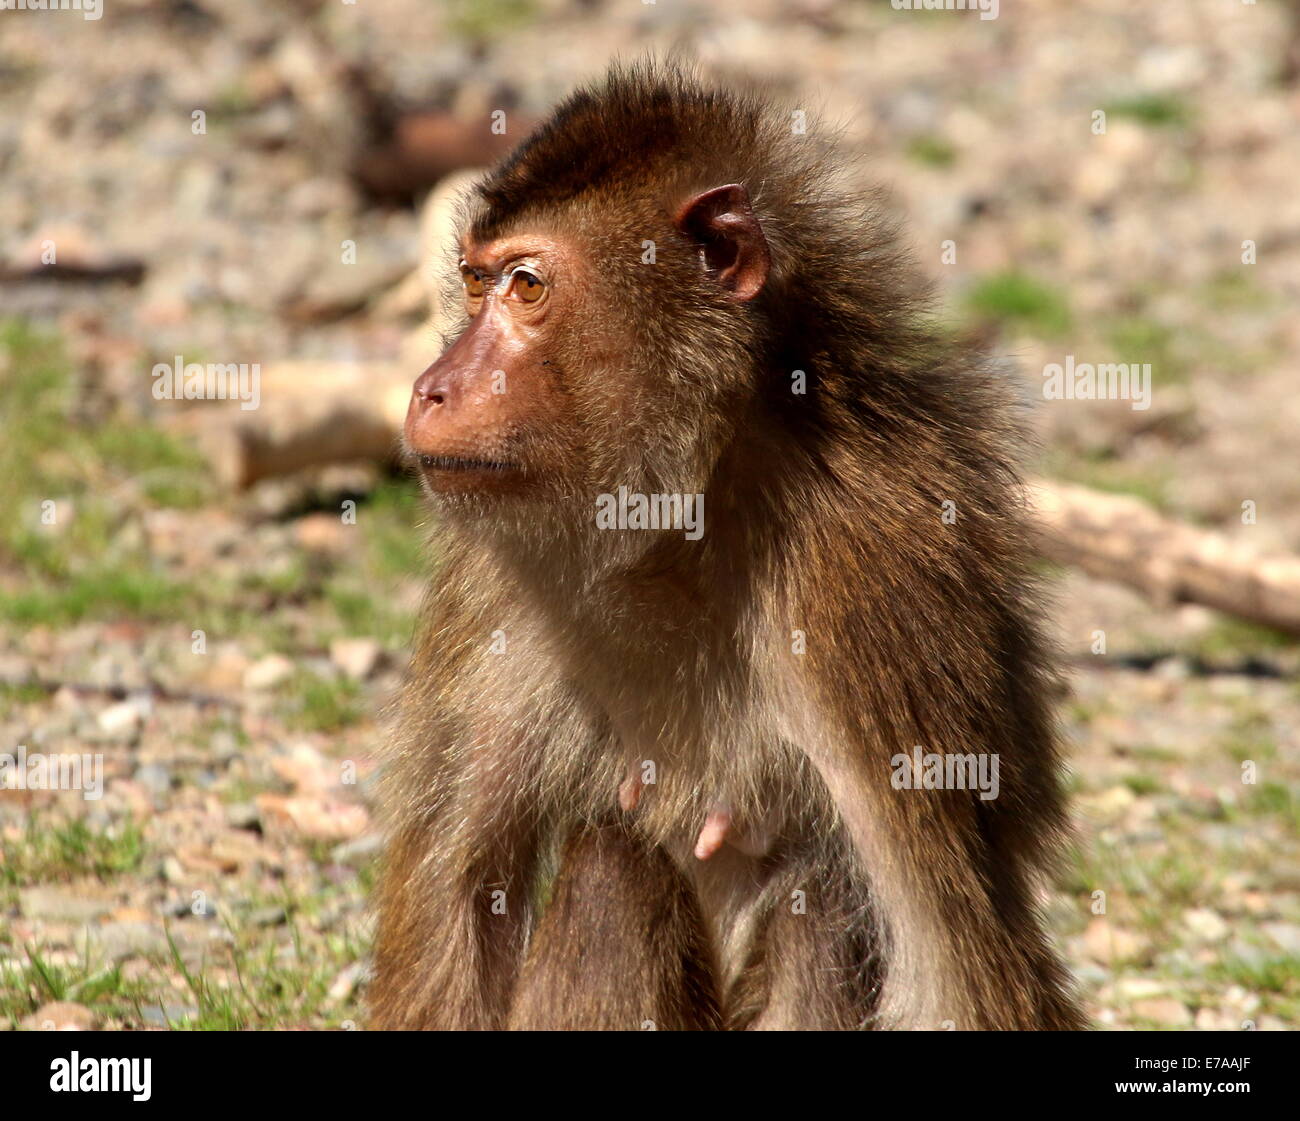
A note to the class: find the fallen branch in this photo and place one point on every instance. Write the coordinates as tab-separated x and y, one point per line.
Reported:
1122	539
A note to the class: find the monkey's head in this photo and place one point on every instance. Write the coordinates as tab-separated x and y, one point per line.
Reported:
618	280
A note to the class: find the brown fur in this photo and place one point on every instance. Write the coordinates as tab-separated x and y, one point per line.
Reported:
823	517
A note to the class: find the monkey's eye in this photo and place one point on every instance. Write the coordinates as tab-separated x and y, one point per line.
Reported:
473	282
526	286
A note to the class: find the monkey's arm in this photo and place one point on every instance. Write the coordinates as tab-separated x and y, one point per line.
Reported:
475	761
454	902
953	877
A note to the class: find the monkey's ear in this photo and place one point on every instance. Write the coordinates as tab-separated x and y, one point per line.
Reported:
732	245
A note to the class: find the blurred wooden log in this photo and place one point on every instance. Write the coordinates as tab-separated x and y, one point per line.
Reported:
310	414
1116	538
428	145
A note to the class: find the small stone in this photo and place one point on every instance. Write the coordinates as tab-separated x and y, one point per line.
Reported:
223	745
346	982
268	673
1137	988
119	940
225	671
322	533
1206	925
318	818
1113	803
243	815
305	768
1162	1010
356	657
358	852
268	916
1285	935
60	1015
1105	942
154	777
60	904
1172	669
120	720
1214	1019
168	1015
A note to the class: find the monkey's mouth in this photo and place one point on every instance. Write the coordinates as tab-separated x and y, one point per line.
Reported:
455	463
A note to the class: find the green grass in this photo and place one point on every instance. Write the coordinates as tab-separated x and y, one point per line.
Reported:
1018	300
252	983
168	472
99	472
1158	885
25	987
269	984
1273	799
488	19
22	692
361	597
1148	754
1137	339
1103	471
106	594
104	473
1143	785
932	151
1235	289
1250	736
70	850
1154	109
392	516
1237	638
325	704
1280	974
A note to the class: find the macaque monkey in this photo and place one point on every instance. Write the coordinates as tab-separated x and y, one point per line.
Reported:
730	540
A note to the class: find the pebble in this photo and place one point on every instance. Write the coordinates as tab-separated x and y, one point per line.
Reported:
61	904
1106	942
1163	1010
1286	935
268	916
154	777
268	673
120	940
60	1015
359	851
356	657
169	1015
243	815
1206	925
120	720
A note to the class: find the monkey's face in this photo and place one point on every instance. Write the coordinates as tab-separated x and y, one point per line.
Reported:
493	415
581	368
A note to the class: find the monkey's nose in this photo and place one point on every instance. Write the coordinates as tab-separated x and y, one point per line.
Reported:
430	388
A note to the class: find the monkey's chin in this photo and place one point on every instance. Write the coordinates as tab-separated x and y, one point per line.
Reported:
449	474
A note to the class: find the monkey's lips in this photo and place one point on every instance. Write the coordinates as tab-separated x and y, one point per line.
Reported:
459	473
455	463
